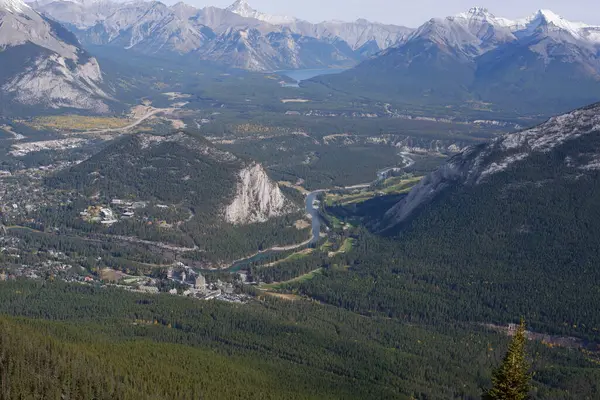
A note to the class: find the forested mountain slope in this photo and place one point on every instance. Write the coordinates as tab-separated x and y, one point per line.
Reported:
504	229
173	348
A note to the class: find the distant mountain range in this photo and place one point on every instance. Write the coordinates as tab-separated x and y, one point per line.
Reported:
541	63
44	64
238	36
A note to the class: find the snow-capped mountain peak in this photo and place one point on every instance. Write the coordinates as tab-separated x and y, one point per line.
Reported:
13	6
550	20
476	12
483	15
471	33
242	8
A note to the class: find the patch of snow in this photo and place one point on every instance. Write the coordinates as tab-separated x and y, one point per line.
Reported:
558	21
483	15
592	34
569	162
13	6
242	8
177	96
591	166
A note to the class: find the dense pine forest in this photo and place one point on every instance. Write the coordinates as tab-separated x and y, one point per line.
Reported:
182	217
525	243
164	347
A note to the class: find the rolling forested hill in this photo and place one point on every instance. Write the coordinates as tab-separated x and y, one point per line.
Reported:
175	190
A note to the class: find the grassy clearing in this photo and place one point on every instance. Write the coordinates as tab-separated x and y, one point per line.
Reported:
342	199
398	185
110	275
347	245
294	186
344	248
335	222
300	279
326	246
302	224
284	296
292	257
78	123
394	185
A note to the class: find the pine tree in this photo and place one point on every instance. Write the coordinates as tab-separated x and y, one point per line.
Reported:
511	381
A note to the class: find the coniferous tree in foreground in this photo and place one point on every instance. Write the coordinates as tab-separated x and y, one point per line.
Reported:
511	381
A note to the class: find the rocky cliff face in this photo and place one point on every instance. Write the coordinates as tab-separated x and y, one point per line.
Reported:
477	164
43	64
52	83
357	34
250	49
257	199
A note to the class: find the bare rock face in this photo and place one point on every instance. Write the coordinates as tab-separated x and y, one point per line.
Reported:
476	164
257	199
52	83
44	64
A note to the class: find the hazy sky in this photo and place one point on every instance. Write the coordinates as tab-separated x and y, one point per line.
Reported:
412	13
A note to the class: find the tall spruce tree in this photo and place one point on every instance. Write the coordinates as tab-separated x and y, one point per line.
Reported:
511	381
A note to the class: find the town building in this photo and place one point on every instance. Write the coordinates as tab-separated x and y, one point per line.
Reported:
200	282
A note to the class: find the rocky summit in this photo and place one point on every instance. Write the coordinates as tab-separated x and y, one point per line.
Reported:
44	64
238	35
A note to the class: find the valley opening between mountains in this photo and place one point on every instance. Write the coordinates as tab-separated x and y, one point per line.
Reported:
221	203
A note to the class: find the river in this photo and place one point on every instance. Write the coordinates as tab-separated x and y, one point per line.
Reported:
314	214
315	221
265	254
300	75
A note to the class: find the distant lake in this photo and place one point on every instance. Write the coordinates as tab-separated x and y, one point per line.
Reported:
300	75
